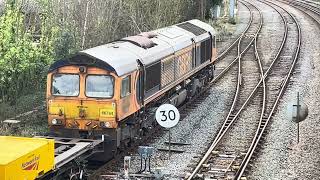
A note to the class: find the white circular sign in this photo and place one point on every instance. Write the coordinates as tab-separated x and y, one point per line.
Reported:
167	115
292	111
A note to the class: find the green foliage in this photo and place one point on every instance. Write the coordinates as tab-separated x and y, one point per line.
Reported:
23	59
232	21
34	33
217	2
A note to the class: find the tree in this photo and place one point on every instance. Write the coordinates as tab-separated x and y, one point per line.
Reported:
30	42
22	59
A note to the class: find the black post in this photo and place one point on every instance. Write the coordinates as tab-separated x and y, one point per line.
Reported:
298	113
298	132
169	143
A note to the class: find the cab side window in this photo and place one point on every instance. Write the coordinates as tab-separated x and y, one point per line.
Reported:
126	86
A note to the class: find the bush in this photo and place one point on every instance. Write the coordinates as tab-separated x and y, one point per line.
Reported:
232	21
23	61
34	33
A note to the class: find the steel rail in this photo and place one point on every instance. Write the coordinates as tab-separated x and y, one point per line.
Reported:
214	144
284	39
244	163
312	3
232	46
266	73
317	19
220	56
306	5
286	82
260	131
232	107
254	145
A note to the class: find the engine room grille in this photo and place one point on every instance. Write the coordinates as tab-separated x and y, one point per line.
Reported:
168	71
184	64
192	28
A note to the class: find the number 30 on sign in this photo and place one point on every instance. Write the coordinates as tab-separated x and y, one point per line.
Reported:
167	115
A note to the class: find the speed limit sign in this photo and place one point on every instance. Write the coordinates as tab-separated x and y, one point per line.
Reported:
167	115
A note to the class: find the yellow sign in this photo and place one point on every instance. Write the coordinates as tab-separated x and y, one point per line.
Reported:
107	113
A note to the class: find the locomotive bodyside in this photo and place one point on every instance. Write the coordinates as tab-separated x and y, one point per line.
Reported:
112	89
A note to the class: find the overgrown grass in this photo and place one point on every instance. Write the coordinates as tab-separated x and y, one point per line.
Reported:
23	104
30	125
224	28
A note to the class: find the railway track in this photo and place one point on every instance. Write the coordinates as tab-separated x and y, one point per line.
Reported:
238	48
272	85
315	8
307	7
219	159
234	43
277	80
264	95
270	88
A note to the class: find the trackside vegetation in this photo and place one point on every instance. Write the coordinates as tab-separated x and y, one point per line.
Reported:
35	33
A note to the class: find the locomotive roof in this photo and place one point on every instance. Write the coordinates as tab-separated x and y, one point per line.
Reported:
121	56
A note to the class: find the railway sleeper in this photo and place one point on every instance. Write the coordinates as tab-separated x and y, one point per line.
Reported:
235	167
218	170
263	123
228	156
192	165
226	124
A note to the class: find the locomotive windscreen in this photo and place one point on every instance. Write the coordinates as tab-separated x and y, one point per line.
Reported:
65	85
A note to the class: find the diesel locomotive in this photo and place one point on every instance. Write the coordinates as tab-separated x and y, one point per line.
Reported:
114	89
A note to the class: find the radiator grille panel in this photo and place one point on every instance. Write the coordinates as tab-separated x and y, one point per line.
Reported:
184	64
168	72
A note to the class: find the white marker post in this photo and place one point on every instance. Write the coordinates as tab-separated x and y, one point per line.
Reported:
168	116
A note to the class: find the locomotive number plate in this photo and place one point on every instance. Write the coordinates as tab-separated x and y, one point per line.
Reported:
107	112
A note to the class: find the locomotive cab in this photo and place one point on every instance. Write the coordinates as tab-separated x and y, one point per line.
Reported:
84	98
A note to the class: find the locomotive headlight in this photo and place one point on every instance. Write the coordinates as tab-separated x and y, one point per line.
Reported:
54	121
82	69
107	124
